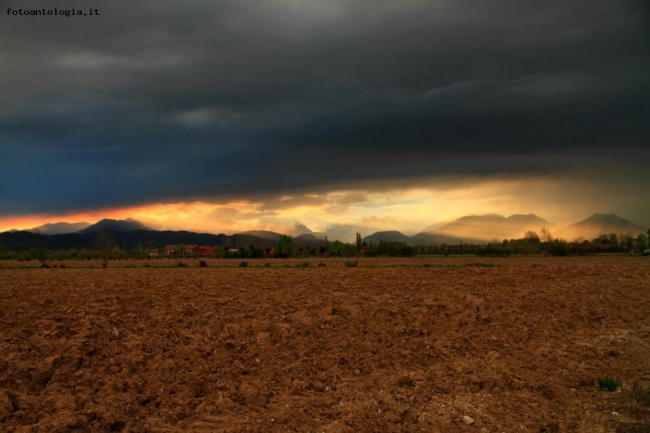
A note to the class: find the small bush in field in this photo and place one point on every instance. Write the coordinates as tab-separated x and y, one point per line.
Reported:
608	384
203	264
243	264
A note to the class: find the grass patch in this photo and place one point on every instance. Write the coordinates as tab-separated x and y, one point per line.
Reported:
626	407
608	384
182	265
352	264
634	401
640	393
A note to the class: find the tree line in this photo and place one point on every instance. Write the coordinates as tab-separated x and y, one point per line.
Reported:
106	248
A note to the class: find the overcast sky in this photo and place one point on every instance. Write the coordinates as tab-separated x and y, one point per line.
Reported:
322	112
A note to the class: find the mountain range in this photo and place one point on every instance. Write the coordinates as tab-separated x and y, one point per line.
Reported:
59	228
127	225
486	228
469	229
598	224
477	228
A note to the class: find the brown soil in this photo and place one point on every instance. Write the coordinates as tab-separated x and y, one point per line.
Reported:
434	345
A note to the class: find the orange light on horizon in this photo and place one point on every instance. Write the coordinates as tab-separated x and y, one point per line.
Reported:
408	208
172	216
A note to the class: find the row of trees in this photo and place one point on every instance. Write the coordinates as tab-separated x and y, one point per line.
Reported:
531	243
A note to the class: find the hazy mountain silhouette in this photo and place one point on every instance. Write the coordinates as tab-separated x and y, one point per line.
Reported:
389	236
436	226
481	228
126	225
347	232
307	240
301	229
469	229
599	224
433	238
264	234
59	228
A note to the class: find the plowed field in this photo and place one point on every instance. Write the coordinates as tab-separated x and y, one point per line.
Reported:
433	345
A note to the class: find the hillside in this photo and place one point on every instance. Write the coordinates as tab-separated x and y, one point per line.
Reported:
482	228
59	228
126	225
597	224
264	234
388	236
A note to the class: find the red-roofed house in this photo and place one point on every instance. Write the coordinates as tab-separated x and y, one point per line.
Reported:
189	251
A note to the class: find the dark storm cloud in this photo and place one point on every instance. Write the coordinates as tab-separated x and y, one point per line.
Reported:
176	101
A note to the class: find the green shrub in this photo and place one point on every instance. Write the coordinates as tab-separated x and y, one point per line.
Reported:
608	384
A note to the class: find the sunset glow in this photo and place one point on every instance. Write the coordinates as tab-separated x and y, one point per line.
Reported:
408	209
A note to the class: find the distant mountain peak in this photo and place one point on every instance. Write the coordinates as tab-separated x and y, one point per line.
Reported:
389	236
598	224
127	225
59	228
521	215
477	228
606	217
482	216
300	229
